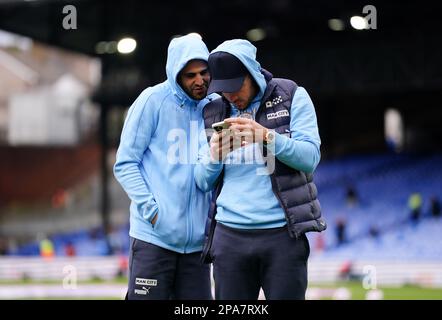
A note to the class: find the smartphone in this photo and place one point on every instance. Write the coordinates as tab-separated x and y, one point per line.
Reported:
219	126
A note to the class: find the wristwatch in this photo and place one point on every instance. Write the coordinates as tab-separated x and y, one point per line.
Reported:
269	137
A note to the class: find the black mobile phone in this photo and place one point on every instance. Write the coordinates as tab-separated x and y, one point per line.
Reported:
219	126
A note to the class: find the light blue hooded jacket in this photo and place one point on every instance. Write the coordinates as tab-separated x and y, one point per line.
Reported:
247	200
157	154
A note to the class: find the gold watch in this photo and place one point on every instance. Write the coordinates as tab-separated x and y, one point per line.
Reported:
269	137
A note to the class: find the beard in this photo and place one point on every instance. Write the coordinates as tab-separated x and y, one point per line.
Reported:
198	92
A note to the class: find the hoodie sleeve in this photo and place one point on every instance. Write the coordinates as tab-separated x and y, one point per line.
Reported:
302	150
206	171
139	126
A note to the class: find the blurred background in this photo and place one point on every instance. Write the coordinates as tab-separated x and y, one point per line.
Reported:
69	70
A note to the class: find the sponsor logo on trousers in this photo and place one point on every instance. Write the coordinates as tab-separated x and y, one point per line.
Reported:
146	282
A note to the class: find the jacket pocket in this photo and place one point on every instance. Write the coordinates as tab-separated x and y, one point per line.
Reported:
157	226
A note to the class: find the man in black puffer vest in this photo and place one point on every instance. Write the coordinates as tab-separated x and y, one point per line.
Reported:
260	170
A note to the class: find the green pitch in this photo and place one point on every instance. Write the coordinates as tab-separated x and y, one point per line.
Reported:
408	292
352	290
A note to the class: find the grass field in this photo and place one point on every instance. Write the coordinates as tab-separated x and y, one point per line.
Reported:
409	292
340	290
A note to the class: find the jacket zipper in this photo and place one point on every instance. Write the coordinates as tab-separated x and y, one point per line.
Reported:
189	202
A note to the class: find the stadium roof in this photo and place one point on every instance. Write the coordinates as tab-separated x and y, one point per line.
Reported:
297	40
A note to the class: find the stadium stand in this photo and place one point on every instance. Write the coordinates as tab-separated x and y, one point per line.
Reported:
383	184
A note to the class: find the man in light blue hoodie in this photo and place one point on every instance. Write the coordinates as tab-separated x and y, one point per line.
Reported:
155	166
261	171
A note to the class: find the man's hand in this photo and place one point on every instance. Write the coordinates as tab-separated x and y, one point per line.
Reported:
250	130
222	143
154	220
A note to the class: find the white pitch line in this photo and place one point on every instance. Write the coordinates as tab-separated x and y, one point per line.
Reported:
57	290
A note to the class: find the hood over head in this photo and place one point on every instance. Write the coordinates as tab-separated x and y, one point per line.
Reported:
182	50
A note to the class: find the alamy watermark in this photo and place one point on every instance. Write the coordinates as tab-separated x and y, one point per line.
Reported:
70	18
371	17
369	279
185	147
70	278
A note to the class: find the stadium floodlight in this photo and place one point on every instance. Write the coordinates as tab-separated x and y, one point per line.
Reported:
256	34
126	45
359	23
336	24
100	47
111	47
103	47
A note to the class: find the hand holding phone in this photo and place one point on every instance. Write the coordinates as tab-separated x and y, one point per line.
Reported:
223	141
220	126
